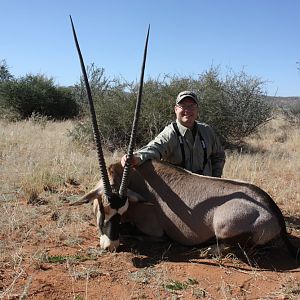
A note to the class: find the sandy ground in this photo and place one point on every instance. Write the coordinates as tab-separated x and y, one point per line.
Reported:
140	269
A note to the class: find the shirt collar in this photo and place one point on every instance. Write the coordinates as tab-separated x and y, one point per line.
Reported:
182	129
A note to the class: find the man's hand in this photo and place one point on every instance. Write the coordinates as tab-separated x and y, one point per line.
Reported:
134	160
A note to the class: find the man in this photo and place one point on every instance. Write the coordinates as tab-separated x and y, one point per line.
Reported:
186	142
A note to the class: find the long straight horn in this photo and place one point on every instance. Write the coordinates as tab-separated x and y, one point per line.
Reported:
125	178
103	170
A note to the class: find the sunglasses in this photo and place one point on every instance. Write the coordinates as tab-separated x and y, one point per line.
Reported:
187	107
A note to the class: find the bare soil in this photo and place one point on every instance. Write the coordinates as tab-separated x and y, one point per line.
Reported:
140	269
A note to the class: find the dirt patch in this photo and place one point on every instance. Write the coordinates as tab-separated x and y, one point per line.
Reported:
55	261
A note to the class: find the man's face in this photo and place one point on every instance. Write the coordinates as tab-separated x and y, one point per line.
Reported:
186	112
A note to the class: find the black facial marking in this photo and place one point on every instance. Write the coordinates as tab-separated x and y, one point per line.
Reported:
116	201
111	228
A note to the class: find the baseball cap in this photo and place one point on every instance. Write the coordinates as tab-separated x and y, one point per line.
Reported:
186	94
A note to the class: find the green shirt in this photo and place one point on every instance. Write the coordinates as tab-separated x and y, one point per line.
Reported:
166	147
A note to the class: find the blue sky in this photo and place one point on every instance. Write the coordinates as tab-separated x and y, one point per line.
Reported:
261	37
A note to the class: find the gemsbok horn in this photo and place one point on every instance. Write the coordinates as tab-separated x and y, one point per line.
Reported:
116	204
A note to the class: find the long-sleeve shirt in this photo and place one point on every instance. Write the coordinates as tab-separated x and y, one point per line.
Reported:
166	146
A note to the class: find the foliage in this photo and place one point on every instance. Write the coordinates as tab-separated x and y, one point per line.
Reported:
295	111
158	103
234	106
114	107
37	94
292	113
98	82
5	75
63	258
175	285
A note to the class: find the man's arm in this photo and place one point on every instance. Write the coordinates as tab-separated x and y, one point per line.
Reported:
217	156
217	163
158	148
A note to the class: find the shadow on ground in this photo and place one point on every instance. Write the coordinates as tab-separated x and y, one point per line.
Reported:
152	251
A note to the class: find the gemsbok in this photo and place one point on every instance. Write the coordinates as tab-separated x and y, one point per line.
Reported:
190	209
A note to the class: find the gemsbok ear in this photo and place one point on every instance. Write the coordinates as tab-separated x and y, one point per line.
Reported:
135	197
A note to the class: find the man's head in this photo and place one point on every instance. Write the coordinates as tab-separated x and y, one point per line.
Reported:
186	108
186	94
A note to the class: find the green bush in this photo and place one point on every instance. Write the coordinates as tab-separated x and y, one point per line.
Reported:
5	75
234	106
114	109
37	94
292	113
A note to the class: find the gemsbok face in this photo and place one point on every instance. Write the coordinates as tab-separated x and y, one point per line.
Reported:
108	219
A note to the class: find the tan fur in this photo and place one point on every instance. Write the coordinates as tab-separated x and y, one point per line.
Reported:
192	209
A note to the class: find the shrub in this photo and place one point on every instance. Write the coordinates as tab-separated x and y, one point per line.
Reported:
234	106
37	94
158	103
292	113
5	75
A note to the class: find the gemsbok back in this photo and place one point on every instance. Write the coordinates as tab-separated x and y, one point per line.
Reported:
163	199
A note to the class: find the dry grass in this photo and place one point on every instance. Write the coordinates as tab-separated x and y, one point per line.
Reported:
37	157
271	160
40	160
41	166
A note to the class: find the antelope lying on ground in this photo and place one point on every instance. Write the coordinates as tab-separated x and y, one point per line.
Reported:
190	209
